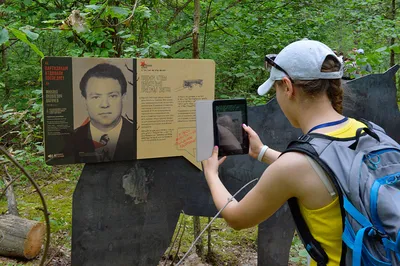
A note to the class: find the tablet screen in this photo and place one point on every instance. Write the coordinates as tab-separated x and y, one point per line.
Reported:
229	116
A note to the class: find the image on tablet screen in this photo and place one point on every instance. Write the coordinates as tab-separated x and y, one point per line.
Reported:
230	134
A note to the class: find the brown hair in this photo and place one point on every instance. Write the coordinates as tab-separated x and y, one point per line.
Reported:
332	87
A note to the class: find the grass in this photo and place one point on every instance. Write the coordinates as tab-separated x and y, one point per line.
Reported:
57	185
226	243
230	247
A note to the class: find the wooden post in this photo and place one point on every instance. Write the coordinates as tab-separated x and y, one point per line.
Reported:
20	237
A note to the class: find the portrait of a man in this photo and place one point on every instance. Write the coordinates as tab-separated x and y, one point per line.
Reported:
105	135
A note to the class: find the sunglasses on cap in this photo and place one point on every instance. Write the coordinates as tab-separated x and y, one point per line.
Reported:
269	62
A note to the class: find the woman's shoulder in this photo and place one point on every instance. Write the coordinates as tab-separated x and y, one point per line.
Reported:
292	164
302	180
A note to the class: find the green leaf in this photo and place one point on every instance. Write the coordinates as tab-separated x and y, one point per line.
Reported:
37	92
27	30
28	2
395	48
147	13
126	36
382	49
52	21
303	253
117	12
109	45
4	36
238	75
104	53
120	10
93	7
22	36
144	11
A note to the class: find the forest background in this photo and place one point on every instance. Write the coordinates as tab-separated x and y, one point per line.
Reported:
235	33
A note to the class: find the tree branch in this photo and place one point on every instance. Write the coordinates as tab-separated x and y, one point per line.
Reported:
182	48
222	29
179	10
205	30
187	34
11	201
2	50
129	18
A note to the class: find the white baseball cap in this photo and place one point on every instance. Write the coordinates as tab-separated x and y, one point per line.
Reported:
302	60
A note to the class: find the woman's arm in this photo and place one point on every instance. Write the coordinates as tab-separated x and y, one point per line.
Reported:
278	183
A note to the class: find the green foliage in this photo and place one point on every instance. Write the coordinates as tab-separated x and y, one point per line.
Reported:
298	255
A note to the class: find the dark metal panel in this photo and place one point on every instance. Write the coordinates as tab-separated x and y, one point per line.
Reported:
125	213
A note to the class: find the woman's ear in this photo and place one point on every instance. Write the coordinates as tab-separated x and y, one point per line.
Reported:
289	90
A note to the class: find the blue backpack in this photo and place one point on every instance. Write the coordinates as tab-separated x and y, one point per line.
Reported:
365	170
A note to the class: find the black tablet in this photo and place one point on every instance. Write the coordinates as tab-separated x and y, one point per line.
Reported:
229	136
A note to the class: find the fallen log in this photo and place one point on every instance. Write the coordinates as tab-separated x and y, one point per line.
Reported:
20	237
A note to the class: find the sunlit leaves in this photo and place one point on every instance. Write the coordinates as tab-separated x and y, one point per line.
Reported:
143	11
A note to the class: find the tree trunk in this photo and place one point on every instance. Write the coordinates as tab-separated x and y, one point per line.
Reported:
195	33
20	237
196	55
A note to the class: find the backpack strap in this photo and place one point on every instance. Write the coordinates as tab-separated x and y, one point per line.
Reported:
322	175
312	246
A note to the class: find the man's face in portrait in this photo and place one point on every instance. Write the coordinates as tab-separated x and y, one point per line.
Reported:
104	102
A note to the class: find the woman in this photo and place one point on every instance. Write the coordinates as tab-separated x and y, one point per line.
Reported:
307	78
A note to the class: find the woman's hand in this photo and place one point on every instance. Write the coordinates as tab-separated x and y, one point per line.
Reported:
254	140
211	165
